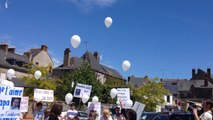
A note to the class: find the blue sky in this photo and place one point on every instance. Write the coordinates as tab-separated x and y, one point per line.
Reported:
161	38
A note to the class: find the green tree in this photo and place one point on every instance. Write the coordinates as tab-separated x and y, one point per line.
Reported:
83	75
43	83
151	94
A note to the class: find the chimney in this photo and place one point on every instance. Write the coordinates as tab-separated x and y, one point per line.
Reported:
96	56
208	77
12	50
209	72
193	73
66	57
28	55
4	47
44	48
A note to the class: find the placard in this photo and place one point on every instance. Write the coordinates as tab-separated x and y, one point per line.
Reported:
24	104
123	94
82	89
96	106
138	108
10	101
46	95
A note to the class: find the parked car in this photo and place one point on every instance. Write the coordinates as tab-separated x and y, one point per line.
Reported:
154	116
167	116
181	116
82	115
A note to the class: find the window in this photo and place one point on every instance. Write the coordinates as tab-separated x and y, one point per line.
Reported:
11	61
161	117
37	63
174	83
168	98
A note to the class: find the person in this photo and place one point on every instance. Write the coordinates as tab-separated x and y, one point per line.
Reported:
15	104
93	115
55	111
207	114
106	115
131	115
38	112
46	114
71	113
118	115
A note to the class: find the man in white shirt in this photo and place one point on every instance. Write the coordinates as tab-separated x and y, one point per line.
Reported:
71	113
207	107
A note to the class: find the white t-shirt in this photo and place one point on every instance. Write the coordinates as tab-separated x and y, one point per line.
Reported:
72	113
102	118
206	116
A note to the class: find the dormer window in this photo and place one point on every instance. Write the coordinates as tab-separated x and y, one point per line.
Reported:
11	61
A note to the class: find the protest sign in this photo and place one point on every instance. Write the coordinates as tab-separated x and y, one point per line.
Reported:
10	102
96	106
24	104
82	89
138	108
46	95
123	94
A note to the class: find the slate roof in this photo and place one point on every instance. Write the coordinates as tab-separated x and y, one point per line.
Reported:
172	86
35	51
203	74
19	83
185	85
139	81
76	62
13	56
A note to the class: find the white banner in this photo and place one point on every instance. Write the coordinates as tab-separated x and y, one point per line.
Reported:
123	95
96	106
46	95
24	104
82	89
138	108
10	100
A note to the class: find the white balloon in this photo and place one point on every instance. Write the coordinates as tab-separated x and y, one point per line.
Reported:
95	99
108	22
85	98
11	84
38	98
118	102
68	98
10	73
5	83
126	65
6	6
128	104
113	93
37	75
75	41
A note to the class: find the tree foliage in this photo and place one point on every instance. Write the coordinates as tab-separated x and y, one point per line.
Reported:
151	94
43	83
83	75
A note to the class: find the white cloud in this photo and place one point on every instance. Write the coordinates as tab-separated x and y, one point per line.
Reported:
56	62
86	5
4	37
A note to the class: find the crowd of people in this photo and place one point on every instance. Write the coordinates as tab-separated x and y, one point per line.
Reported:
55	113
